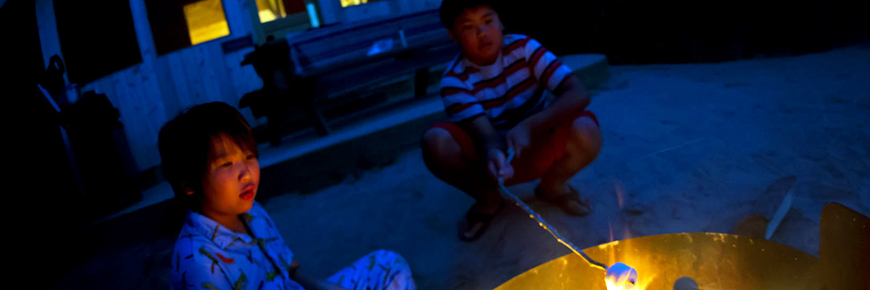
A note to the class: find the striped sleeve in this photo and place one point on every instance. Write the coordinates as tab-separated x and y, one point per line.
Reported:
459	103
547	69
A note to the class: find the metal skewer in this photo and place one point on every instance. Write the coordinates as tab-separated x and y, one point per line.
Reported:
542	222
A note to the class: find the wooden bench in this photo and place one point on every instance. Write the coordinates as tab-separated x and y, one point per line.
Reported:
320	68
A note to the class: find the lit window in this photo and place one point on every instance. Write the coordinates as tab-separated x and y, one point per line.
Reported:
270	10
206	21
346	3
178	24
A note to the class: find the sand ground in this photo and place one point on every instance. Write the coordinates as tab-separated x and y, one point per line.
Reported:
687	148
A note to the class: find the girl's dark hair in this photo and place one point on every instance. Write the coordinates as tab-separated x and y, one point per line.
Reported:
452	9
185	144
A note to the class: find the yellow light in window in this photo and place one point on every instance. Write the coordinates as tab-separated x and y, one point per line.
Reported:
269	10
266	16
206	21
346	3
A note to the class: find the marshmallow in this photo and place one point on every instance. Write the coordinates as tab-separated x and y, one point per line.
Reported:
621	276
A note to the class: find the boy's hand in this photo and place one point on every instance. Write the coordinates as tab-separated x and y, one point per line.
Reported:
497	164
491	144
520	138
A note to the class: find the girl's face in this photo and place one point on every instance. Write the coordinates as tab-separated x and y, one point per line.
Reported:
230	181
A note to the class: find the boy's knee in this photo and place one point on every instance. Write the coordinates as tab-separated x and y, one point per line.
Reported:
437	141
434	135
587	135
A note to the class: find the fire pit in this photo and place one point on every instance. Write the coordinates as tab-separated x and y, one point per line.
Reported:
720	261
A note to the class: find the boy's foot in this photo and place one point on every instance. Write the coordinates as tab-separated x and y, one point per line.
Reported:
476	222
569	200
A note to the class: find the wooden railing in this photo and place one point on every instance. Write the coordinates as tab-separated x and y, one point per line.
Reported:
333	62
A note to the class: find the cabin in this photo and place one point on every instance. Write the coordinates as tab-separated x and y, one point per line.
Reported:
153	59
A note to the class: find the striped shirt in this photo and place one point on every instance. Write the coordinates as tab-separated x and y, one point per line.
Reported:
507	91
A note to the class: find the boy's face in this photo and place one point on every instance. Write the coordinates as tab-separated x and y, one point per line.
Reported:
478	32
230	181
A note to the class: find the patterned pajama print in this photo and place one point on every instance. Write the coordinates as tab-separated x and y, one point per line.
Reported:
379	270
209	256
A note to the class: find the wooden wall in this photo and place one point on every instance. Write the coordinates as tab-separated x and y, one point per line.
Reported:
157	89
149	93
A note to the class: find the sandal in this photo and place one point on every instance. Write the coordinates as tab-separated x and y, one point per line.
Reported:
474	217
565	201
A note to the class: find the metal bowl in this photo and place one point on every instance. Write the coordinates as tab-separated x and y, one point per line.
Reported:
720	261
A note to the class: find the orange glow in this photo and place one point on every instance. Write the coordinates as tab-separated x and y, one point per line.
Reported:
619	282
610	229
619	189
620	193
640	285
612	286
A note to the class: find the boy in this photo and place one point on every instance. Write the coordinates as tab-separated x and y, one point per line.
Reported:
493	95
228	240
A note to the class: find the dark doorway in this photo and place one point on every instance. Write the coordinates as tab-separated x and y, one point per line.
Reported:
97	37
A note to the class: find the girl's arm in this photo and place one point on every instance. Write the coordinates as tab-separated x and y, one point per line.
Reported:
310	283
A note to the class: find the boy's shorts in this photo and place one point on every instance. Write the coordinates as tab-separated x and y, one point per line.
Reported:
544	150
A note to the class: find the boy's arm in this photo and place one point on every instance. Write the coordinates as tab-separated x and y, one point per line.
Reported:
464	110
490	144
571	97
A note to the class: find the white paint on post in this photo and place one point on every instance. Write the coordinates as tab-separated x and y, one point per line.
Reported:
237	80
143	30
48	37
140	98
312	15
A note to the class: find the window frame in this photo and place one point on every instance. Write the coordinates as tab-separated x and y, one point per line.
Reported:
229	28
281	26
154	37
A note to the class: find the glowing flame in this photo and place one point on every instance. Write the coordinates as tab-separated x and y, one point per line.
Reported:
620	193
610	229
619	190
612	285
621	276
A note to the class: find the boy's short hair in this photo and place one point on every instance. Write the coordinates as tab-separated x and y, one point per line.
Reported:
185	145
452	9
